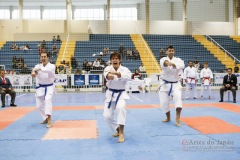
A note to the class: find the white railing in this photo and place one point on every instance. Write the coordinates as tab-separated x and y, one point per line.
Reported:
65	49
217	44
141	39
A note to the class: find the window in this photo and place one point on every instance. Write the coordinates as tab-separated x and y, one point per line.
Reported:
31	14
15	14
89	14
56	14
4	14
123	13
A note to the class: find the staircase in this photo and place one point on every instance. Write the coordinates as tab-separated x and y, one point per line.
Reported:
236	38
147	57
2	44
70	47
215	50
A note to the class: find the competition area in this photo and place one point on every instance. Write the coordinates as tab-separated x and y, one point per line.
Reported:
209	129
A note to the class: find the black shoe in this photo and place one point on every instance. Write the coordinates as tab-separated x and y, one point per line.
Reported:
3	106
13	105
234	101
221	100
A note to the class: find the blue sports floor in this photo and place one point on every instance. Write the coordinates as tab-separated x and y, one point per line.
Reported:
146	137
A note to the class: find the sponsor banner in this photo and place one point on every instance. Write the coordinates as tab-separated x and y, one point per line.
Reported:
60	79
93	79
20	80
78	80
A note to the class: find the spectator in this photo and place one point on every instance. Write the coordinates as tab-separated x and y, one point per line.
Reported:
162	54
136	54
54	49
59	39
6	88
39	45
236	68
12	72
136	75
61	68
142	68
96	64
51	61
54	40
26	47
67	68
229	83
78	71
14	47
105	51
14	62
129	53
43	44
122	50
73	62
196	64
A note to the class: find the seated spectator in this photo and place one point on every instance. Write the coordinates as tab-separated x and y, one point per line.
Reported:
14	62
229	83
6	88
105	51
136	54
61	68
162	54
96	64
43	44
59	39
39	45
54	40
122	50
129	53
108	63
142	68
78	71
12	72
74	63
87	65
25	70
26	47
67	68
236	68
136	75
14	47
54	49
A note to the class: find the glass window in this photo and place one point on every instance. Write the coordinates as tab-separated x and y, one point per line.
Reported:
123	13
15	14
56	14
89	14
4	14
31	14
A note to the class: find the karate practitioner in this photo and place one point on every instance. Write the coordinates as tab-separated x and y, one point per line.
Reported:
170	84
117	77
206	76
45	74
191	78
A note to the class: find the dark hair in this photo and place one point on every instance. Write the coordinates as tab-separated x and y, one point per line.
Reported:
206	63
190	61
115	54
229	69
44	52
170	47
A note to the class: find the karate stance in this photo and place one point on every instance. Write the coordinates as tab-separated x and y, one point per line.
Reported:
45	74
206	76
170	84
117	77
191	79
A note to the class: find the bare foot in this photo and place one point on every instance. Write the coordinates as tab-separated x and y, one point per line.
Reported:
178	122
121	138
166	120
115	134
44	122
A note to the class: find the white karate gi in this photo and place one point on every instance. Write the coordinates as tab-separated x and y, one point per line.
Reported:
43	95
116	84
191	75
206	74
170	74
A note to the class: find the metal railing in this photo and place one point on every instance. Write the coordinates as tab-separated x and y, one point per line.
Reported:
65	49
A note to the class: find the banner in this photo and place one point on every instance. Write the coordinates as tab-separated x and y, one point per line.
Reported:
93	79
60	79
79	80
20	80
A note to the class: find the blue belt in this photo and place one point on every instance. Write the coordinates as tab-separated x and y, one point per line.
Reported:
166	82
119	91
45	86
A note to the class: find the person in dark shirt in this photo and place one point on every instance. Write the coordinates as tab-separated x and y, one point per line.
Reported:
236	68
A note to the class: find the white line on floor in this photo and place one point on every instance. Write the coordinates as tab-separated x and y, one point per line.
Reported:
135	97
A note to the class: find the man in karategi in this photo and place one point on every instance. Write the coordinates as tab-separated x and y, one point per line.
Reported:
117	77
206	75
45	75
191	78
170	84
